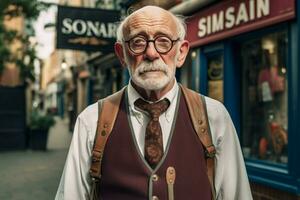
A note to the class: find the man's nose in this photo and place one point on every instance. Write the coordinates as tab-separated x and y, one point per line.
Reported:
151	53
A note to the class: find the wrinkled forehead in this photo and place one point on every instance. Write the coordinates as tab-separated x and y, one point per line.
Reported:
150	22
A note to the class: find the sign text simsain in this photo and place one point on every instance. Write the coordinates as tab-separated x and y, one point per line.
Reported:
231	16
228	18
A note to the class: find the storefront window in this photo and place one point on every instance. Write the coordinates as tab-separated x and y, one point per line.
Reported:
264	98
215	76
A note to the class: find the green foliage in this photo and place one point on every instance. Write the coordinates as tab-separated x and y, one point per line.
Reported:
30	10
39	121
26	62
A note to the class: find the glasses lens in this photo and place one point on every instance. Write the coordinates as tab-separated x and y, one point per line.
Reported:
138	44
163	44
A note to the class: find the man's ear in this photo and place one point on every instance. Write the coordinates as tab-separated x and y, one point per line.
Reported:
120	53
183	51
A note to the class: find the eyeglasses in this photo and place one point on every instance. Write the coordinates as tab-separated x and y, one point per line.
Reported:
139	44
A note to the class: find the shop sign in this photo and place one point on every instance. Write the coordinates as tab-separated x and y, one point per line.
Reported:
86	29
233	17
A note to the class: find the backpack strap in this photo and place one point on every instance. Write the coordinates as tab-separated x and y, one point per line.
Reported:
108	110
198	113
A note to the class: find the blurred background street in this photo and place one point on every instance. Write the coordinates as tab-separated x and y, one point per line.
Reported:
35	174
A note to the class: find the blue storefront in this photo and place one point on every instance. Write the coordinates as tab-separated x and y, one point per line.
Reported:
246	55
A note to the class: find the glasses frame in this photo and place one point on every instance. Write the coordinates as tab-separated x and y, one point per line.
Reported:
147	44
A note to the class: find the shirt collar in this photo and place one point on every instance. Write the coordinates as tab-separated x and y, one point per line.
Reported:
133	95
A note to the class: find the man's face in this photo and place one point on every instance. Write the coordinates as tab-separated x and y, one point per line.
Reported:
150	69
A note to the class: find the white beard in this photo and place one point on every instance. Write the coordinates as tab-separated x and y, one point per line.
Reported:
149	82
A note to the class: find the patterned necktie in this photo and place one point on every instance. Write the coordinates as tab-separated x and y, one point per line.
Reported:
153	137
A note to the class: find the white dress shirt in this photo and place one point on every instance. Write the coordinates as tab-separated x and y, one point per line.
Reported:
231	181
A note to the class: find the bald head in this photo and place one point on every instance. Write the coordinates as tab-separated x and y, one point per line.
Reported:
148	17
152	10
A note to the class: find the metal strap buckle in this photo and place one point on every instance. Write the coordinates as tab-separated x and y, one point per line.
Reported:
210	151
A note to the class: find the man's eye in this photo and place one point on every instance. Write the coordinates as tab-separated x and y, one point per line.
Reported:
163	40
138	41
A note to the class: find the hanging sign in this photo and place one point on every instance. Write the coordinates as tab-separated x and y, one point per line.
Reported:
232	17
86	29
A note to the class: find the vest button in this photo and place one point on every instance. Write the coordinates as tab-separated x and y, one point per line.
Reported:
154	177
155	198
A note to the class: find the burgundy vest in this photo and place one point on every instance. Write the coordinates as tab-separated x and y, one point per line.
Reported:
127	176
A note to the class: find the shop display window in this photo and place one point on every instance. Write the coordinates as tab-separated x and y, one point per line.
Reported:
264	98
215	76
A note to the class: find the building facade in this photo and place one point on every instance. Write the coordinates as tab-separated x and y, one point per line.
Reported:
245	54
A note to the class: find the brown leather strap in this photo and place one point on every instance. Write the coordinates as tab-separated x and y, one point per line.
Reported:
108	110
197	110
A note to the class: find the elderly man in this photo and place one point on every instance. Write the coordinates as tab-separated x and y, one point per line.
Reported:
152	137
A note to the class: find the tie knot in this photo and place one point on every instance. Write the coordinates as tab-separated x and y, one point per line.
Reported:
153	109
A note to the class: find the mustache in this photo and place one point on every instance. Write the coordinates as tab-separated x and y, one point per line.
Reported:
152	66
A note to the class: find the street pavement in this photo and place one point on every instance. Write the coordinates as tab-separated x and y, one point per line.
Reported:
35	175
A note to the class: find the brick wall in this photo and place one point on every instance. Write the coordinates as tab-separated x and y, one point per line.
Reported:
261	192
